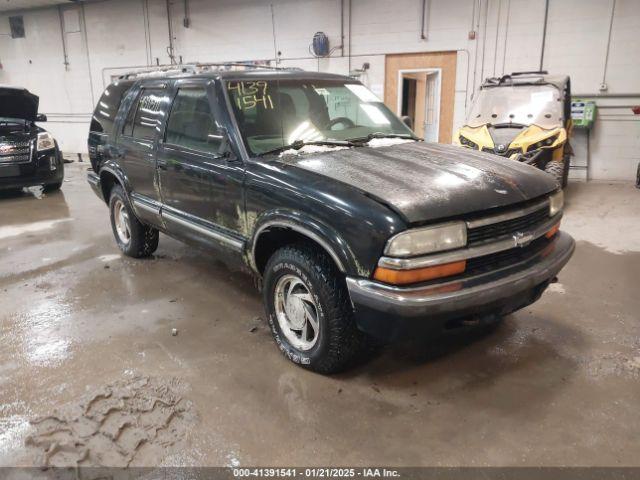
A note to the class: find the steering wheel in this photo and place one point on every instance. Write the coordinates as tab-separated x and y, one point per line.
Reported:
346	121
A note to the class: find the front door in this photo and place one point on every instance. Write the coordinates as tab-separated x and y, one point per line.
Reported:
200	197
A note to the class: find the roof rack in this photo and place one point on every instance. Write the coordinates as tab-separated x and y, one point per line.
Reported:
195	68
509	78
531	72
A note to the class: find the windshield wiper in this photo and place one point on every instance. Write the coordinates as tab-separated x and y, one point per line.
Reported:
298	144
373	135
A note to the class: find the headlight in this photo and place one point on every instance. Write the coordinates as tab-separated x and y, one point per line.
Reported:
419	241
547	142
556	202
468	143
45	141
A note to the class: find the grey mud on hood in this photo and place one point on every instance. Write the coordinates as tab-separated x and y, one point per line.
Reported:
18	103
429	181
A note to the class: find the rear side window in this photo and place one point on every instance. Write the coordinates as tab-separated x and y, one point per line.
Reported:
104	116
145	117
191	123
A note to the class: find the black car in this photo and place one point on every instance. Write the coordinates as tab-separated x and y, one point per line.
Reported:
356	229
29	155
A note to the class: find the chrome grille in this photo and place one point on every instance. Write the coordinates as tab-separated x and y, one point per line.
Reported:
507	228
15	152
506	258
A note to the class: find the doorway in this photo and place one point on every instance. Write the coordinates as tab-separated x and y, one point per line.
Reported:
423	86
419	99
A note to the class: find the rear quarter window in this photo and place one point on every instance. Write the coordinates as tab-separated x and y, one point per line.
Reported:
145	116
105	113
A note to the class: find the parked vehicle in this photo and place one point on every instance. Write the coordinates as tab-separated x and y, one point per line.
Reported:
356	229
29	155
525	116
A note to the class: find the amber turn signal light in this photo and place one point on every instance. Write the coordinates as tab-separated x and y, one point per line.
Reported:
553	230
404	277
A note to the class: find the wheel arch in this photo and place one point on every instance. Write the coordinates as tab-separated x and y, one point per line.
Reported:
277	230
109	177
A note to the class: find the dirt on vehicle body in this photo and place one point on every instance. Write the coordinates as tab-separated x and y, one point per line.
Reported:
355	228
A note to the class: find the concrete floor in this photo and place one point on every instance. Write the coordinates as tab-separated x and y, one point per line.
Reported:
86	343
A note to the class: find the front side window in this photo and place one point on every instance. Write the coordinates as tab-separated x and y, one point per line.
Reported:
275	113
191	123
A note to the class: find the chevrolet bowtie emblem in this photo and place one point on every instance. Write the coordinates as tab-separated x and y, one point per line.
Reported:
522	239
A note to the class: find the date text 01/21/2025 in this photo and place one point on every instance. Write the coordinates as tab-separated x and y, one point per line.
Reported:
315	473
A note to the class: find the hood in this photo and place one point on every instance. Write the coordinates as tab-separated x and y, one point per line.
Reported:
18	103
429	181
504	139
534	134
503	136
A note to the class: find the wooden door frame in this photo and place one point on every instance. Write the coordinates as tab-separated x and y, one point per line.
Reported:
444	60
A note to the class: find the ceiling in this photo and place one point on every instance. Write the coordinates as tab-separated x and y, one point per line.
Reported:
8	5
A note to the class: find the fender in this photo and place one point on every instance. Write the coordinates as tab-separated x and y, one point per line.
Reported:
114	169
324	235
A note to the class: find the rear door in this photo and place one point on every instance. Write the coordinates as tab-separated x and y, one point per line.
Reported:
138	140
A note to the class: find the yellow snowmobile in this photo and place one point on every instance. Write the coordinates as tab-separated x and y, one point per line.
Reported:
525	116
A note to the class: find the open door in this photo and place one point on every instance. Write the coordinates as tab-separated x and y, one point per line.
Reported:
432	107
419	99
422	86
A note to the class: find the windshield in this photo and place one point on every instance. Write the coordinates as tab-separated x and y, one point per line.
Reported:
524	104
274	113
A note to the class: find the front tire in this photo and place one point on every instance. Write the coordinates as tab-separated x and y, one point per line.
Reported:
557	170
565	172
133	237
52	187
309	311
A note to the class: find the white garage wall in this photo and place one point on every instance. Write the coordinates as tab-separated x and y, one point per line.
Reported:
109	37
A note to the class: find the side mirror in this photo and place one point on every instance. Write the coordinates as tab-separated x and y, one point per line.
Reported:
407	121
41	117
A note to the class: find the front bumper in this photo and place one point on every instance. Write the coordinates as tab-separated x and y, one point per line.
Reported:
36	172
391	313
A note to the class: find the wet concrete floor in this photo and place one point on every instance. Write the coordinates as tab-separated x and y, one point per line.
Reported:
82	326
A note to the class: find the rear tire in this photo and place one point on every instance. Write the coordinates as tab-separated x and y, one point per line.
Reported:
309	311
133	237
